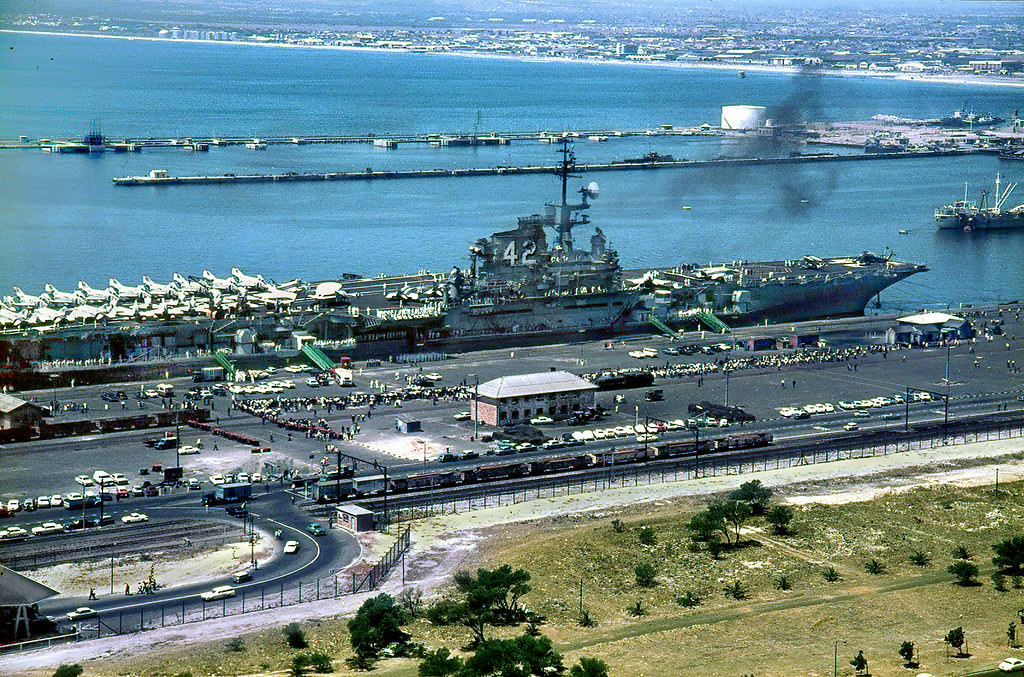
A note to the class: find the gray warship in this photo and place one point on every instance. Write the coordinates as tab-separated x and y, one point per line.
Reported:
526	285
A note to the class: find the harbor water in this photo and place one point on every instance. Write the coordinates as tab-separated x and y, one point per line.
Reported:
63	219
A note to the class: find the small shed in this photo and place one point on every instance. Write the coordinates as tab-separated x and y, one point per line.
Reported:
406	424
355	518
17	413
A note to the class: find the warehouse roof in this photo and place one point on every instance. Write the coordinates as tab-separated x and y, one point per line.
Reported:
543	383
9	403
17	590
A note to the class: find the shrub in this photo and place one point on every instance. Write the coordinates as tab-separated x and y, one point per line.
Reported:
617	526
689	599
68	670
831	575
736	590
320	662
376	625
1009	554
587	620
874	567
411	600
589	667
295	636
647	536
966	573
237	644
780	518
783	582
440	663
921	559
999	582
444	612
961	552
646	575
636	609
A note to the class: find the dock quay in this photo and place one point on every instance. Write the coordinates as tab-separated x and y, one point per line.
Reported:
160	178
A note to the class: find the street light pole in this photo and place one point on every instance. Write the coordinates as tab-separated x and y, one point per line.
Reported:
476	407
727	387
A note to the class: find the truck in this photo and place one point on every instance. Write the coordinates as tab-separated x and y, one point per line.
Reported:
206	374
173	475
234	492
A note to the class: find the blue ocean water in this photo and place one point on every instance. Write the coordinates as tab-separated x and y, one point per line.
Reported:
63	220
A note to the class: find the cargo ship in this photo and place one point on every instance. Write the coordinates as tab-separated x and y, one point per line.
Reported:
971	215
531	284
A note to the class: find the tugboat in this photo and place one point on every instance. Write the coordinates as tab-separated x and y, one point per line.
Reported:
970	215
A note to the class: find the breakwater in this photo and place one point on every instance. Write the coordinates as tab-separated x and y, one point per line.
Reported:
160	178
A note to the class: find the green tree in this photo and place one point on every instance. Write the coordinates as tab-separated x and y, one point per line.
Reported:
754	494
966	573
780	517
521	656
702	526
730	516
491	597
68	670
961	552
377	624
907	653
1009	554
831	575
589	667
444	612
999	582
859	663
440	663
646	575
955	638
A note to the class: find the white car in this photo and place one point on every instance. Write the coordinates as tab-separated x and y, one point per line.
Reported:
43	502
256	477
542	420
217	479
291	547
242	477
852	425
463	416
56	501
13	532
433	376
47	528
220	592
312	383
646	438
80	613
84	480
133	517
13	505
187	450
1011	665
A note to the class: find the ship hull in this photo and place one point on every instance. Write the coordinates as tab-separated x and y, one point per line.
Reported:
1004	221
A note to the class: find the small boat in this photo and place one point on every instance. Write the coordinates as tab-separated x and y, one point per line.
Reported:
903	232
687	208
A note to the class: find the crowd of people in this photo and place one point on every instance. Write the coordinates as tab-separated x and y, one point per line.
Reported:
766	361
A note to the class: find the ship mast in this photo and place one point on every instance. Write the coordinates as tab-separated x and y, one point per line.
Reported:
564	171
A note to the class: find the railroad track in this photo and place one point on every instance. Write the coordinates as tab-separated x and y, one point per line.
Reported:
692	462
39	551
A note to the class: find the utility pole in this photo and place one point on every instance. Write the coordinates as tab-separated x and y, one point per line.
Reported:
111	574
476	407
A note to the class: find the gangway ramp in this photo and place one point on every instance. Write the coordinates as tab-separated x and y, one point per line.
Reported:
317	357
660	326
220	356
712	322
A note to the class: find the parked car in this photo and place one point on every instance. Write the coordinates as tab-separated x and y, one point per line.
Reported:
463	416
133	517
291	547
220	592
47	528
315	529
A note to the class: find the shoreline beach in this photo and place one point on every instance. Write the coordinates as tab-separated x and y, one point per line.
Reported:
959	79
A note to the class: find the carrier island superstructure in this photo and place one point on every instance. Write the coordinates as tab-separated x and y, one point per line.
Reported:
533	283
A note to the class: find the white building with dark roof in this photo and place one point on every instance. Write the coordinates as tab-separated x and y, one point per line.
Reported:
930	328
514	399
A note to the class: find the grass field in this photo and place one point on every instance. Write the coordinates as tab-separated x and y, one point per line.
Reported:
770	632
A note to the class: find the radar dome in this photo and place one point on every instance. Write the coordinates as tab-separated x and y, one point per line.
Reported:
593	190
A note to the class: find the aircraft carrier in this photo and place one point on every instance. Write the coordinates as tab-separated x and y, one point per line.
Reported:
533	283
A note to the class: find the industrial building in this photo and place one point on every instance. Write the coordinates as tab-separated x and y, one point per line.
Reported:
930	328
744	118
514	399
16	413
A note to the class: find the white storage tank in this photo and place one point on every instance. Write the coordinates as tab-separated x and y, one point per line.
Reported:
743	117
